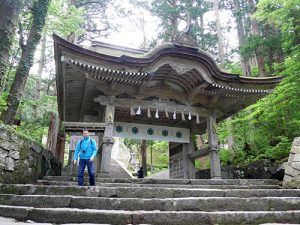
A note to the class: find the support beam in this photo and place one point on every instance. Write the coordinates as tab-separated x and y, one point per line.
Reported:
108	136
196	90
215	166
200	153
79	126
144	156
188	164
83	100
162	105
98	158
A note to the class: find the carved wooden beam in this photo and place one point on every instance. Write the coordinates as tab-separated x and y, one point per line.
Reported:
160	105
192	93
81	125
82	105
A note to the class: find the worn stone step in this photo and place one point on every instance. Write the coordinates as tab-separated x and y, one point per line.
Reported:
142	192
219	186
167	204
11	221
120	217
172	181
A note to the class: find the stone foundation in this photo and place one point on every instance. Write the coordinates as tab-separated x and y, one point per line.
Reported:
261	169
23	161
292	168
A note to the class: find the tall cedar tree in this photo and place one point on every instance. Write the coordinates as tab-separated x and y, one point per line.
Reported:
9	11
39	13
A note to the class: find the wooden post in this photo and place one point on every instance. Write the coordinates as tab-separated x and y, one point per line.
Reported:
144	156
215	166
108	136
52	133
60	146
99	154
188	164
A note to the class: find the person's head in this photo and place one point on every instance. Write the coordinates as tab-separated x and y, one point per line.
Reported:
85	133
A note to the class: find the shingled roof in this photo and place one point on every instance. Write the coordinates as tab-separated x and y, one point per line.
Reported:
170	73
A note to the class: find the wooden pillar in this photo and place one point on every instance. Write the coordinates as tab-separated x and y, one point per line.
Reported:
99	154
52	133
188	164
144	156
215	166
60	147
108	137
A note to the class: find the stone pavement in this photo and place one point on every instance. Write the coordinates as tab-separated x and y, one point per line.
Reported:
124	201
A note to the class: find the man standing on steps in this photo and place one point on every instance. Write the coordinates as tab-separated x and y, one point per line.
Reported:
87	151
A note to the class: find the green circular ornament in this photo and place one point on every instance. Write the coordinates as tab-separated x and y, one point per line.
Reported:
165	133
119	129
135	130
178	134
150	131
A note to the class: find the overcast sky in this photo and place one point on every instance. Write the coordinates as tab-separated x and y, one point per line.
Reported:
130	36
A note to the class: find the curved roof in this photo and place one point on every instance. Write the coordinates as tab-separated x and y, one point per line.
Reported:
181	74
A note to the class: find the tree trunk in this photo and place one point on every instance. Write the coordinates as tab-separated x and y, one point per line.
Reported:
219	32
222	60
270	62
9	12
142	23
60	147
174	22
39	12
144	156
38	82
241	35
259	51
52	133
230	138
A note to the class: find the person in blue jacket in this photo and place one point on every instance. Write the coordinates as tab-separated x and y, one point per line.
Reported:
87	151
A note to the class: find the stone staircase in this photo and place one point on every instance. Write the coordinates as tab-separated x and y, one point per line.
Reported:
117	201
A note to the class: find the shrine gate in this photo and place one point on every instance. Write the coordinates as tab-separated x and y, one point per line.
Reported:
169	93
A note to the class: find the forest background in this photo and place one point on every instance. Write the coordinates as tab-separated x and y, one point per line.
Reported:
248	37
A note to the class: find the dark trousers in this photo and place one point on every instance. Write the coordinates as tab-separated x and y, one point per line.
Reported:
91	170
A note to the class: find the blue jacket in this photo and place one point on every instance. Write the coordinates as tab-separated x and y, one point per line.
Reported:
86	148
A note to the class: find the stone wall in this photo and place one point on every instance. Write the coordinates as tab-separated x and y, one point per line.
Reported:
23	161
292	168
261	169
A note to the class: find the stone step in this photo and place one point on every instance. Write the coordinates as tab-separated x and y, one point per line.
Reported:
207	204
173	181
11	221
120	217
142	192
220	186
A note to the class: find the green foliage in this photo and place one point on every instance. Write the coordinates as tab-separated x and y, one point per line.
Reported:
266	129
63	19
33	130
160	151
3	99
226	156
285	15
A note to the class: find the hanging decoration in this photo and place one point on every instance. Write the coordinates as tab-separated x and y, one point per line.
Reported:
182	116
132	113
190	116
148	113
167	113
156	114
138	112
174	115
197	119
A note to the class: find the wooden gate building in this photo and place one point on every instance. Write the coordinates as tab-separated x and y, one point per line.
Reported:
169	93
